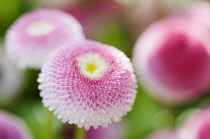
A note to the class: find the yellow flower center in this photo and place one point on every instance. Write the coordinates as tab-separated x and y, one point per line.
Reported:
92	65
91	68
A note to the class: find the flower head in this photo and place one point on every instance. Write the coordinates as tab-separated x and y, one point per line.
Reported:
34	35
12	127
172	59
197	125
91	84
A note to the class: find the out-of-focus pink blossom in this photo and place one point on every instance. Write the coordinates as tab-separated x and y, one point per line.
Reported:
91	84
12	127
197	125
172	59
164	134
35	35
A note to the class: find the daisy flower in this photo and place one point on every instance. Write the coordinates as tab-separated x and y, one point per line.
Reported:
91	84
33	36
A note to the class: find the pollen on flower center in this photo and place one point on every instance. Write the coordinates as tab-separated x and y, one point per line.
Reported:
92	65
91	68
40	28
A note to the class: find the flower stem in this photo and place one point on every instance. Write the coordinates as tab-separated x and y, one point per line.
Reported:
48	124
80	133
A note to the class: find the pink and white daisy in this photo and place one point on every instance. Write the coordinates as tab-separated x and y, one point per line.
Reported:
91	84
197	125
33	36
172	59
164	134
12	127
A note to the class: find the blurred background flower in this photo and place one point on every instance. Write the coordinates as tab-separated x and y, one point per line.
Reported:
32	38
197	125
172	59
12	127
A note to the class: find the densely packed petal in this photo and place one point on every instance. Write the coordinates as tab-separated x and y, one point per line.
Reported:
91	84
33	36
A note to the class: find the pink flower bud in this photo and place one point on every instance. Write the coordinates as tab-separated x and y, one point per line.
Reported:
172	59
197	125
91	84
12	127
33	36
